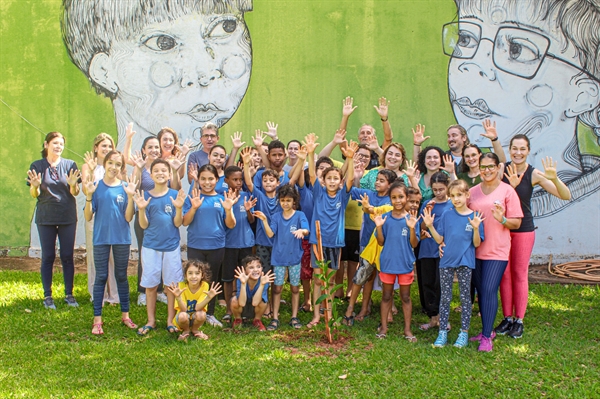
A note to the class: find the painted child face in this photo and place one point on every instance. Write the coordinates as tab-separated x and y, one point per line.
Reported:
393	158
167	143
113	165
287	203
152	149
414	200
471	157
182	73
193	276
234	181
270	184
440	191
103	148
398	199
217	157
160	173
277	157
381	184
207	182
459	198
254	270
519	151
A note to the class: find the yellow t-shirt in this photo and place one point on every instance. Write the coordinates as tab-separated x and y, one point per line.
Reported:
191	299
373	249
354	212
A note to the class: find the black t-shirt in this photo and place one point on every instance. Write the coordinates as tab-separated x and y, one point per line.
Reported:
524	191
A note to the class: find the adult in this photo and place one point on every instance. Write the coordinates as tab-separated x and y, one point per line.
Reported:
94	167
54	182
209	137
499	204
523	177
394	159
170	148
432	160
469	171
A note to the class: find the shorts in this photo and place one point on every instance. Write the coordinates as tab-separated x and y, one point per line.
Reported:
306	270
352	249
231	260
248	310
156	262
403	279
294	275
177	315
264	253
329	254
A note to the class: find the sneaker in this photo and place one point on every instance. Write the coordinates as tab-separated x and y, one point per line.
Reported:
480	335
161	297
462	340
441	340
516	331
49	303
237	323
485	345
259	325
141	300
212	320
70	300
504	327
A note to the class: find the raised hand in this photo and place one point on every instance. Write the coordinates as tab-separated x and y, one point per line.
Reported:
412	219
490	129
138	160
249	203
272	130
35	179
231	197
498	212
417	175
379	220
177	160
549	168
236	140
73	177
513	177
350	149
246	155
195	199
185	147
259	138
382	110
260	215
131	184
477	219
90	160
347	108
372	143
241	275
215	289
364	201
339	137
175	290
129	132
179	200
448	164
428	218
310	142
302	153
140	201
267	278
90	186
419	135
411	168
193	171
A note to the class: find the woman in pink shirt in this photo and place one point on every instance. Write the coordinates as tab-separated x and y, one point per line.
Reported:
501	209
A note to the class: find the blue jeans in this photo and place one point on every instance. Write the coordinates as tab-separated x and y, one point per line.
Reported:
66	237
121	257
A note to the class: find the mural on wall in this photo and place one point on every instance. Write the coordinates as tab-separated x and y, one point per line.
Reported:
534	68
175	63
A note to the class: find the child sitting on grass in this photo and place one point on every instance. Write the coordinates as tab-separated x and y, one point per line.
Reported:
191	297
250	300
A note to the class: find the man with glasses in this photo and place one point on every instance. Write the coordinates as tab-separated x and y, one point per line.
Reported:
209	137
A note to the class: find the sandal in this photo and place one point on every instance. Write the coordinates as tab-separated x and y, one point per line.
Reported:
348	321
273	325
183	336
172	329
427	326
267	315
312	324
145	330
129	323
295	322
226	318
359	318
200	335
97	329
304	310
410	338
381	335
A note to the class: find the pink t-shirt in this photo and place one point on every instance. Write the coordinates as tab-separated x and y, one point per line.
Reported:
496	245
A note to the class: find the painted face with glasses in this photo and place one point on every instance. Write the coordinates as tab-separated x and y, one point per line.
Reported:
511	66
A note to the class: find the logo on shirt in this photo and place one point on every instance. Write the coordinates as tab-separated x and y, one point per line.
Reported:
293	228
217	205
168	209
404	231
338	205
242	208
120	199
469	227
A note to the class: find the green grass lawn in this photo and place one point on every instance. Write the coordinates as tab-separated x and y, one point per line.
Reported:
52	354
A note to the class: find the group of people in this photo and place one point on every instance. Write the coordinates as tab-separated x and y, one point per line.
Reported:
251	218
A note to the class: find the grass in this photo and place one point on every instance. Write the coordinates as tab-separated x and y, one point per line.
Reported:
51	354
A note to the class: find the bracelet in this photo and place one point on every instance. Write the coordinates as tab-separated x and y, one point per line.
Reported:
496	139
503	222
416	145
384	120
87	200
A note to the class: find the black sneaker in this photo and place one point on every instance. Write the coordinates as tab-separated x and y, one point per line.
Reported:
516	330
49	303
504	327
70	300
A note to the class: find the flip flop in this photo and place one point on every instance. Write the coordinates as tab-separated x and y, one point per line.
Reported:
381	335
183	336
97	328
172	329
200	335
313	324
426	326
410	338
145	330
348	321
127	322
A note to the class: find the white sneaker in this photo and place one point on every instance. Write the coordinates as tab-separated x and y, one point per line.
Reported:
212	320
141	300
161	297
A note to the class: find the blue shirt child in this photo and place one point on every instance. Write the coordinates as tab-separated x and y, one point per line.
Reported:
458	237
161	234
109	205
331	211
397	256
287	249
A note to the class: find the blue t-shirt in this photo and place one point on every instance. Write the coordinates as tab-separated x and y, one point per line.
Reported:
200	158
331	211
257	180
109	205
397	256
161	234
250	292
268	206
287	249
368	224
221	186
207	230
241	236
458	237
306	201
429	248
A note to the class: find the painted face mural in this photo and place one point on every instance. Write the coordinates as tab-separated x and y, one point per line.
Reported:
179	68
514	63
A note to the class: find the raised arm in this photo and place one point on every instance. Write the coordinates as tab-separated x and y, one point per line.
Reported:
339	138
258	139
231	198
35	182
418	139
382	110
297	171
379	221
492	134
428	219
130	190
129	133
237	143
90	188
550	181
241	275
247	159
349	152
311	144
178	204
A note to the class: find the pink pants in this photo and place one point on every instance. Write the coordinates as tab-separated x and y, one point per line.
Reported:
514	287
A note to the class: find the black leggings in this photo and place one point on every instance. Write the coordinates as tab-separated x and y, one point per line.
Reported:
214	257
66	238
430	281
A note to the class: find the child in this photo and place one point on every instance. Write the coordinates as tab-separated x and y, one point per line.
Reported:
330	199
289	228
191	297
161	253
428	275
239	240
462	235
397	228
106	199
250	300
208	216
